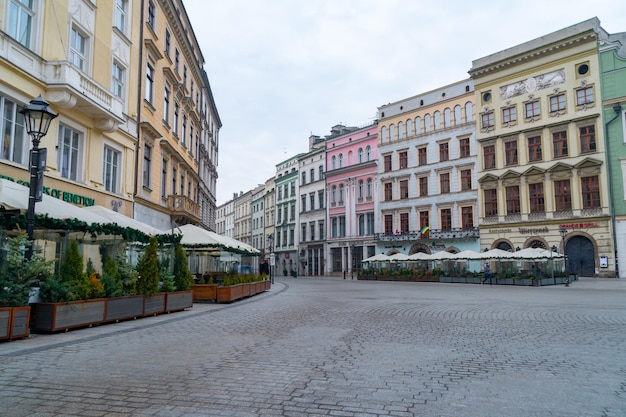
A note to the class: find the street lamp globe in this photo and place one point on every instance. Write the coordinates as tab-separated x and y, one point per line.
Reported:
37	116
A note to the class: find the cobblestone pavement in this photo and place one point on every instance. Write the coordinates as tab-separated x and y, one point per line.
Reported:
333	347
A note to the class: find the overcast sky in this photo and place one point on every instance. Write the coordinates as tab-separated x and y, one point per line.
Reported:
281	70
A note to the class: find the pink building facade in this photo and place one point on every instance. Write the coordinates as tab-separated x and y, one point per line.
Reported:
351	167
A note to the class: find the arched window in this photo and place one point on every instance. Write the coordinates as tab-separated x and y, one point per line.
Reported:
361	189
457	115
400	130
409	128
427	125
437	120
340	193
469	110
360	155
333	163
392	133
447	116
418	125
340	160
333	194
369	187
368	153
383	134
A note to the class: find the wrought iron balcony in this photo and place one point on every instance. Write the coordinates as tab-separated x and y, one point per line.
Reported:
183	208
457	233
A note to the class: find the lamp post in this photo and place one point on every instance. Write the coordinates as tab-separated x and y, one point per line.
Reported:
563	232
272	257
37	117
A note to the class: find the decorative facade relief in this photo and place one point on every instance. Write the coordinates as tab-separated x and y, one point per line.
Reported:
532	84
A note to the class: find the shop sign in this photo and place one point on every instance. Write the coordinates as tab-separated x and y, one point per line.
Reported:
66	196
578	225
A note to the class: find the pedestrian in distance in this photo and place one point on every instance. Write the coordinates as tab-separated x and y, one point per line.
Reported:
487	275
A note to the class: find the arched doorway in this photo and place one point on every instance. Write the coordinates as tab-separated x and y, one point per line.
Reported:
581	256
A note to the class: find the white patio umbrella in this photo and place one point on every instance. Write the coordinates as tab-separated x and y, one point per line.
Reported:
442	256
398	257
420	256
122	220
377	258
536	253
497	254
468	255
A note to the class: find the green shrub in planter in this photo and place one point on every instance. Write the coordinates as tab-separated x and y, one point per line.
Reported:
182	275
18	275
148	270
111	278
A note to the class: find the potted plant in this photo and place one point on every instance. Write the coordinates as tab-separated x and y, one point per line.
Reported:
18	276
67	297
182	297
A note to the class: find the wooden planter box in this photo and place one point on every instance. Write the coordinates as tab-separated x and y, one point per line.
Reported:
20	322
6	315
204	292
178	301
122	308
230	293
54	317
154	304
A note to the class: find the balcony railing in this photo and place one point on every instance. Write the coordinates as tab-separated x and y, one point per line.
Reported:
457	233
183	206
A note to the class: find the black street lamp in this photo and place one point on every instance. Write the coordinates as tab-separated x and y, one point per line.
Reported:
37	117
563	232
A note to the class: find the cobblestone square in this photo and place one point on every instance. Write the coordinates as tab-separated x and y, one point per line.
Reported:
333	347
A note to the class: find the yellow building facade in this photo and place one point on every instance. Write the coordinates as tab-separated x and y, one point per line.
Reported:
81	59
542	163
178	123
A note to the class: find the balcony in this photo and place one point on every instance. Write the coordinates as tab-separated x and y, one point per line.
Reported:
451	234
69	88
183	209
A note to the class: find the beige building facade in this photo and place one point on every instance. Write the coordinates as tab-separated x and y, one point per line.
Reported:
542	162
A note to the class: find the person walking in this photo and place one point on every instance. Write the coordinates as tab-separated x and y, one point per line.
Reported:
487	275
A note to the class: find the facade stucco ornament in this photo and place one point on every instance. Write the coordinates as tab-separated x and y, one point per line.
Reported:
532	84
62	99
106	124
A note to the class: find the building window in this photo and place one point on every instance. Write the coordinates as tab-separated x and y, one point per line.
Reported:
342	226
303	177
185	75
176	60
422	157
369	188
404	189
164	178
487	120
535	192
303	203
446	219
388	191
559	144
557	103
121	9
590	192
117	80
78	49
21	15
387	163
312	229
466	179
467	217
151	15
321	172
464	147
424	221
587	139
444	183
149	93
489	156
509	115
70	153
562	195
168	43
312	201
512	200
303	231
369	223
333	162
340	160
111	170
584	96
404	222
368	153
333	194
312	174
176	112
534	149
320	230
320	199
360	190
532	109
341	193
166	105
388	224
510	152
423	184
403	160
360	155
14	140
444	153
491	202
147	161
